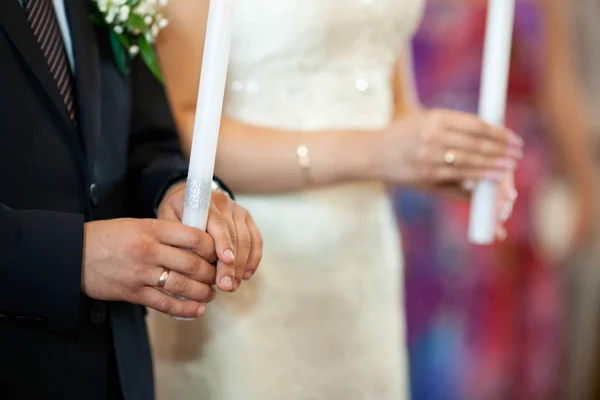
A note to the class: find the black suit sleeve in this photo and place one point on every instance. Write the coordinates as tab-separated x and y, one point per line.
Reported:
224	187
40	267
155	158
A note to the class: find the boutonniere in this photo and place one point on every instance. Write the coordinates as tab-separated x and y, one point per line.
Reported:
133	27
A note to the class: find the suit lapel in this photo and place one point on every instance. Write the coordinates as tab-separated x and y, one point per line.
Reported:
14	23
87	74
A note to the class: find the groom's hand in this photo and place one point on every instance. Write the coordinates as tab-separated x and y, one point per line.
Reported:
237	239
124	260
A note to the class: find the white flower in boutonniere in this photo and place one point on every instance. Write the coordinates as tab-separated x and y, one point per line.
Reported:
134	26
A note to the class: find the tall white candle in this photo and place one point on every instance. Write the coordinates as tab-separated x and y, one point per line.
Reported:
208	112
209	108
492	105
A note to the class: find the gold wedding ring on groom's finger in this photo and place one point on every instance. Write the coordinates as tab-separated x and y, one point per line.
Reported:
450	157
162	279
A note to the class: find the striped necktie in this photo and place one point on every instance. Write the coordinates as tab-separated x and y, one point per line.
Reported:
44	24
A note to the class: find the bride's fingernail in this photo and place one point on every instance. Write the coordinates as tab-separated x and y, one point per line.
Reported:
229	255
468	185
505	214
515	153
516	139
493	175
226	283
502	234
248	275
200	311
507	163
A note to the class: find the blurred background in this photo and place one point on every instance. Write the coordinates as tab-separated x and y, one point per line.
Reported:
518	320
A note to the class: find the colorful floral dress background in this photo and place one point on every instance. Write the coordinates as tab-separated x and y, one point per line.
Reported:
484	323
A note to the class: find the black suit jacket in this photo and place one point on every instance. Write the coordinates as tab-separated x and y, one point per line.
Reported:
55	343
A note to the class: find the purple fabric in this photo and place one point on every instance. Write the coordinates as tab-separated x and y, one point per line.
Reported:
484	323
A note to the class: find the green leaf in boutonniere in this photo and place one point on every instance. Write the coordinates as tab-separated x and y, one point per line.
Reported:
134	26
150	58
119	43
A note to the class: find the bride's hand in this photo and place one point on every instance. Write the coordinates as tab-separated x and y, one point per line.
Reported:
439	147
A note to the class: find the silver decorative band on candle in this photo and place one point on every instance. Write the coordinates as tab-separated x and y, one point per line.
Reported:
197	195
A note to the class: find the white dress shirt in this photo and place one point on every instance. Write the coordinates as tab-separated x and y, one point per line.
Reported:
61	15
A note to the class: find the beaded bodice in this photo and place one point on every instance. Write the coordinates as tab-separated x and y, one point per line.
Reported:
310	64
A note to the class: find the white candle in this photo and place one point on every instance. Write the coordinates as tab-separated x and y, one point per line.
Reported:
209	108
492	105
208	112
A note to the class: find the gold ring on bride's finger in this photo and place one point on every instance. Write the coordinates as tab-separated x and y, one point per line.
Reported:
450	157
163	278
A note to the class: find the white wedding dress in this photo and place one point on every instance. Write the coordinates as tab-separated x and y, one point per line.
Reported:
323	318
